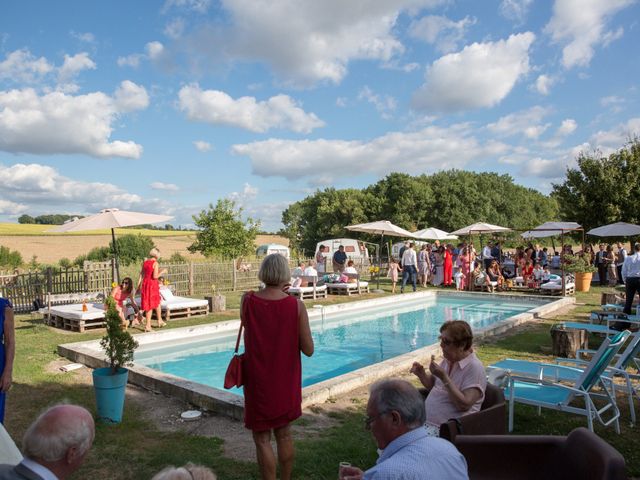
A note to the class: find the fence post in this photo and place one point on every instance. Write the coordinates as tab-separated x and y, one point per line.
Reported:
235	275
191	289
49	275
86	276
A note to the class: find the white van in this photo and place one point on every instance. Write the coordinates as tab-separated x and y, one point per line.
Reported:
269	248
356	250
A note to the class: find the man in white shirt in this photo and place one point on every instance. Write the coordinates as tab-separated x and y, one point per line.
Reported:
486	256
409	267
310	271
54	446
631	277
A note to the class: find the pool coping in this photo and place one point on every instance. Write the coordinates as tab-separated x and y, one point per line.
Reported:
226	403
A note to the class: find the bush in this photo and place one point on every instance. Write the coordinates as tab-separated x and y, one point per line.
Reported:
9	258
177	258
577	264
132	248
65	263
99	254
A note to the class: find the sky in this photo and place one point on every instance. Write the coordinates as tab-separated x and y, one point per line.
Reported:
168	106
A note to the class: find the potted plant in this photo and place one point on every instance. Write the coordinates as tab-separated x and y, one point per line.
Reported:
581	268
110	382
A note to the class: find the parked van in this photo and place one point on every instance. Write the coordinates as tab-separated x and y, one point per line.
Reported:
269	248
356	250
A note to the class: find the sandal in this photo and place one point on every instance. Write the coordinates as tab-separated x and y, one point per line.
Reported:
148	329
161	324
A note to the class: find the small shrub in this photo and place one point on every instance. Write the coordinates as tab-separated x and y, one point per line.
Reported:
132	248
177	258
9	258
65	263
118	344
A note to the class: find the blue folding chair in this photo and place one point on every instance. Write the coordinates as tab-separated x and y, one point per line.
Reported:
541	392
556	372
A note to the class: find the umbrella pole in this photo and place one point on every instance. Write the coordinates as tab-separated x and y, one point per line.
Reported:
115	256
380	262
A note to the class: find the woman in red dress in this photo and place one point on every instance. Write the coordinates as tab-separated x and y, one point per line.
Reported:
448	265
276	331
150	291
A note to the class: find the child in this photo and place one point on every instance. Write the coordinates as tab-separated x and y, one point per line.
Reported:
459	278
546	275
394	269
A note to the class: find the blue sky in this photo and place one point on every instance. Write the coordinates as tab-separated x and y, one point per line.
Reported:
166	107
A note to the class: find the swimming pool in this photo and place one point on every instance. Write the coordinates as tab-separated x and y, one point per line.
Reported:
344	342
356	343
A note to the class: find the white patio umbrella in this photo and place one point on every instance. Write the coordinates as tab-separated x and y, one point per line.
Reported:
618	229
480	227
432	233
381	227
111	218
550	229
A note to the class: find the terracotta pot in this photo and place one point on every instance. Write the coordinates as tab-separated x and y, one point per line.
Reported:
583	281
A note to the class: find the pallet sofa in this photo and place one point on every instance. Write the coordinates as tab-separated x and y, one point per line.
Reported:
311	290
64	310
349	288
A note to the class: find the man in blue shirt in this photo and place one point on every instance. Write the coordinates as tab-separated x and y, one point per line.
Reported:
396	416
339	259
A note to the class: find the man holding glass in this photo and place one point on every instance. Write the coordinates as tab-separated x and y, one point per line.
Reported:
396	416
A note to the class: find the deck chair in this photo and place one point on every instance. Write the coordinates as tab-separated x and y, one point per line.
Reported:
540	392
552	371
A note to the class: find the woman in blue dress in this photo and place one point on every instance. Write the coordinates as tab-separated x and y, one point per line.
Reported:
7	350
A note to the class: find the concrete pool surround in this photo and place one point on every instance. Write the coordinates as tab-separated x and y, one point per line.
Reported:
229	404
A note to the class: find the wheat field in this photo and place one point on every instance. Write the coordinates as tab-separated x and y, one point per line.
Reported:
49	248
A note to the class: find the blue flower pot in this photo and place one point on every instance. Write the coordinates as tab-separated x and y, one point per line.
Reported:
110	390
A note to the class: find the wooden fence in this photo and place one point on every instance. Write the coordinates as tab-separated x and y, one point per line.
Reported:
188	279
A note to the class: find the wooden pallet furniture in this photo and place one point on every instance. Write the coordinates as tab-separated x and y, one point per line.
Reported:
174	307
310	291
65	311
349	288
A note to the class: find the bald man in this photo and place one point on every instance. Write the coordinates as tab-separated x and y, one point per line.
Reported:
54	446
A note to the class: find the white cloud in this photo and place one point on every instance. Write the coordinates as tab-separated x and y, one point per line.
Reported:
611	140
580	25
543	168
21	66
385	104
132	60
525	122
198	6
59	123
154	50
248	194
73	65
480	75
440	31
216	107
86	37
567	127
167	187
129	97
11	208
611	101
431	148
515	10
544	84
341	102
320	38
202	145
175	28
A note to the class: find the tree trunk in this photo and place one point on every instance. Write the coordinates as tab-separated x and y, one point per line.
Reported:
567	342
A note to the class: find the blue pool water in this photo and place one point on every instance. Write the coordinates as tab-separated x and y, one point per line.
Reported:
343	343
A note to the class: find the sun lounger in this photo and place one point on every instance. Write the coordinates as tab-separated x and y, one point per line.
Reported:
66	311
181	307
554	287
311	291
349	288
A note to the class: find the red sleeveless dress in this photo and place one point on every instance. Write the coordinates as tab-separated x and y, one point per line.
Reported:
272	368
448	267
150	289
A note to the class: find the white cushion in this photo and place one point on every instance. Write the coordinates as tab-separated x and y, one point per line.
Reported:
320	288
557	286
166	293
348	285
183	302
74	311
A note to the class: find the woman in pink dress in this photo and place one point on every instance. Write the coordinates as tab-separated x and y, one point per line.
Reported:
150	291
120	294
276	331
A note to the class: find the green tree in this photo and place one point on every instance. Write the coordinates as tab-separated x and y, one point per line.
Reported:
26	219
601	190
223	232
131	248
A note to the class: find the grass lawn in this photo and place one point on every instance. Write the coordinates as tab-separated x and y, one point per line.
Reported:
137	448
